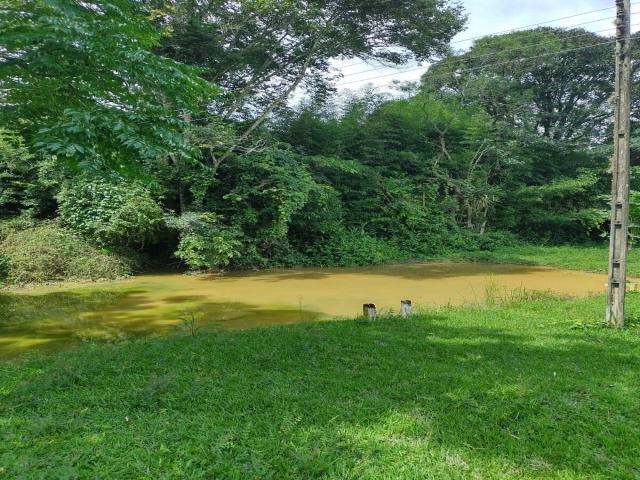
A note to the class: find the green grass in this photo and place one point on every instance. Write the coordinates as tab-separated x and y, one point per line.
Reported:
528	390
592	259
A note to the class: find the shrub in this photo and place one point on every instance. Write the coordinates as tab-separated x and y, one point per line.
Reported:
117	214
492	240
48	252
204	243
4	268
22	222
352	247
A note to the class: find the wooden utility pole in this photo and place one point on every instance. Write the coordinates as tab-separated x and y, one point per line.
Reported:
620	168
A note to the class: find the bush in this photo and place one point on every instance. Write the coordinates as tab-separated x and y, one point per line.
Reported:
493	240
351	248
4	268
22	222
204	243
48	252
116	214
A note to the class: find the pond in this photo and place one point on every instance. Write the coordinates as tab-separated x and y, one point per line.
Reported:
53	317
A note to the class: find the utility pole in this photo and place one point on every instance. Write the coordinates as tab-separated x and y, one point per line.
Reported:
620	168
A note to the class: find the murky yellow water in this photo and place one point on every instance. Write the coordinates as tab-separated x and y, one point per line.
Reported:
52	317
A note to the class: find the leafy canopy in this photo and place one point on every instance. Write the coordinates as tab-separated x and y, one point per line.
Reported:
260	51
79	81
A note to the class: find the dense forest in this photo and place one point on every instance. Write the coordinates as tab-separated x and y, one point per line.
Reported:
210	134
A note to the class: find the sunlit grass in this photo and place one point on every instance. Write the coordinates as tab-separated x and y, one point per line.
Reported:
589	258
516	390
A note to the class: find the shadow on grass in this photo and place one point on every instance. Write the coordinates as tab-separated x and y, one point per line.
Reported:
434	397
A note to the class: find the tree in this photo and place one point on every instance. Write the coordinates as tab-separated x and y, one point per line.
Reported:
561	92
18	175
551	110
79	81
260	51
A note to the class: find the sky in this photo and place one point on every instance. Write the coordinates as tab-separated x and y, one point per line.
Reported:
490	16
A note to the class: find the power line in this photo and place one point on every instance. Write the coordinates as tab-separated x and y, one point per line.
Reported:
523	59
496	33
484	66
475	57
541	23
462	71
524	27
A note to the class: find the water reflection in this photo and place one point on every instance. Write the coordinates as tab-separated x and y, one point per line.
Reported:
49	318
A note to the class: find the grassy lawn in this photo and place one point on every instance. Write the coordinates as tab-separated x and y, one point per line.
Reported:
592	259
535	390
